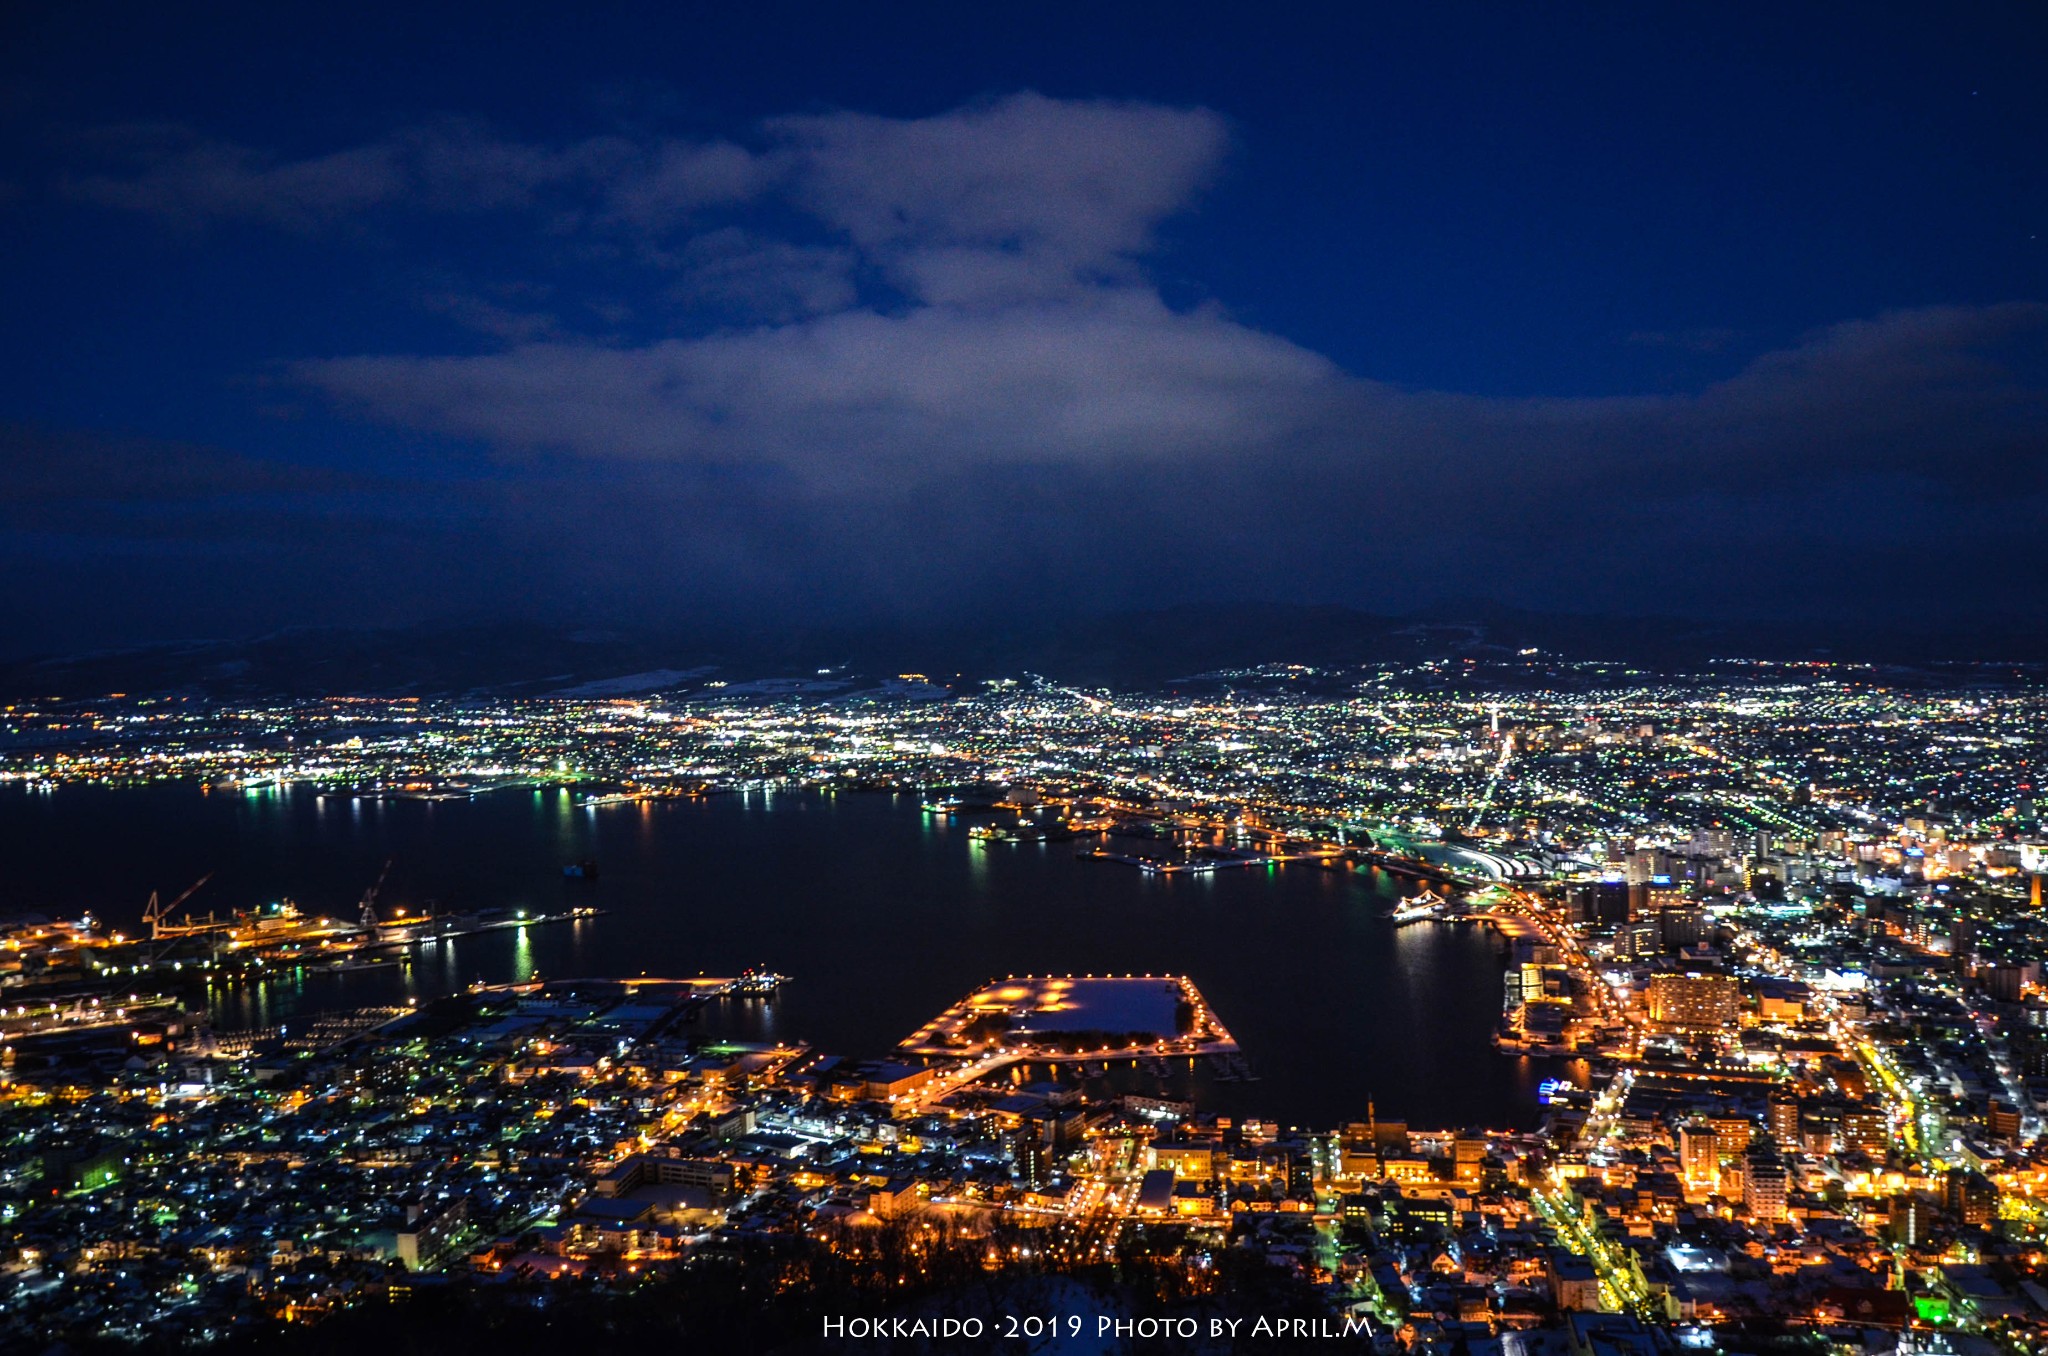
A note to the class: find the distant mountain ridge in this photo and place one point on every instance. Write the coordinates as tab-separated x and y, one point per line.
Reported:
1127	649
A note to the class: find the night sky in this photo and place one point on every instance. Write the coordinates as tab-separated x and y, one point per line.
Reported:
837	313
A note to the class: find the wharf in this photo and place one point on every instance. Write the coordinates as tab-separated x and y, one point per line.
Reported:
685	997
1065	1019
434	933
384	945
1204	865
92	1014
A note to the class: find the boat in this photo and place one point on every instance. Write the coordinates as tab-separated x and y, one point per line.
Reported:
583	870
757	981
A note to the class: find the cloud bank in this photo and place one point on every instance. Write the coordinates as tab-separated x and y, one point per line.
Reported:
922	363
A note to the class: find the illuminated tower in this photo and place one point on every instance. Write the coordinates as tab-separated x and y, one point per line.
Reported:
1764	1183
1784	1117
1699	1155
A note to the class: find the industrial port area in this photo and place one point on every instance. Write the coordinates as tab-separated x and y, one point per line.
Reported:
1770	938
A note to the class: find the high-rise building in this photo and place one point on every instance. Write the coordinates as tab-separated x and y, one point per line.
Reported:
1645	865
1865	1128
1030	1157
1910	1220
1667	892
1970	1196
1784	1120
1682	925
1639	939
1699	1155
1765	1183
1600	902
1468	1158
1695	1002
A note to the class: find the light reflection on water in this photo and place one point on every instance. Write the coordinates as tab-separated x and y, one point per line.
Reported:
882	916
522	955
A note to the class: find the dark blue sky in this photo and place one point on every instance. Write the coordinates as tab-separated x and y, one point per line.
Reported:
805	311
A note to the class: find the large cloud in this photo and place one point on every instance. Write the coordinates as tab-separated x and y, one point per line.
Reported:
1008	202
953	360
1118	377
1008	317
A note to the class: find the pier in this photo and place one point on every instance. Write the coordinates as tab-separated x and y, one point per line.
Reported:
1202	865
686	996
1045	1019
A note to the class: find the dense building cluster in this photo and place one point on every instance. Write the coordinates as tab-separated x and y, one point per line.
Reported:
1781	928
1539	755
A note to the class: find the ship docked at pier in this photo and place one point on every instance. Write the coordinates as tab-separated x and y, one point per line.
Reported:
281	931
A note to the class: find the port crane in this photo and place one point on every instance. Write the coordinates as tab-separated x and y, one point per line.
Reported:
370	921
158	915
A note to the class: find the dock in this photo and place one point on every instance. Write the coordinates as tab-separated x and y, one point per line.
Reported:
1066	1019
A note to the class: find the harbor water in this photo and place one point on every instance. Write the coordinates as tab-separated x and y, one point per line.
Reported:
880	913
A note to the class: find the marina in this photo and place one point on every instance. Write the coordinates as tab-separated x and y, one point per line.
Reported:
1079	1022
1076	1019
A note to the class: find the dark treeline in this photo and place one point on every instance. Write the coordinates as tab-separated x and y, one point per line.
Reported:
773	1295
